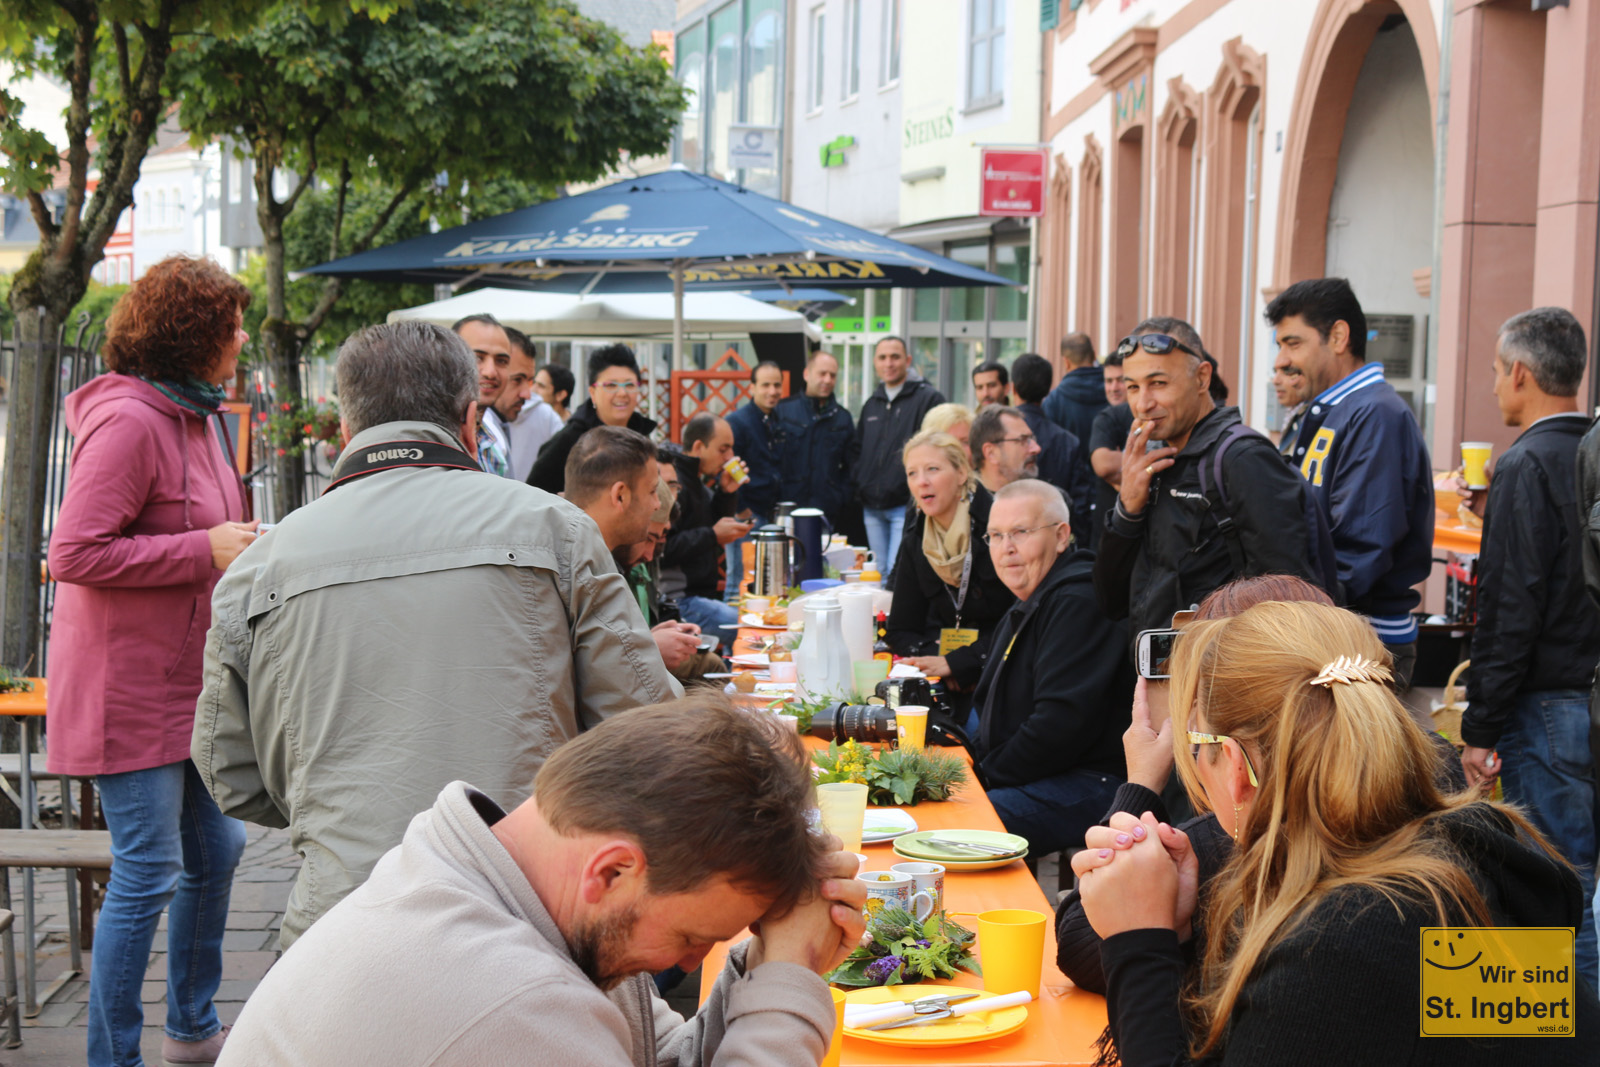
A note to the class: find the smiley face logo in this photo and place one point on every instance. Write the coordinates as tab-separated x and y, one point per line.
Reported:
1447	945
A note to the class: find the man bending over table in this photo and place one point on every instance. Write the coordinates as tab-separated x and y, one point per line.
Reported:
487	937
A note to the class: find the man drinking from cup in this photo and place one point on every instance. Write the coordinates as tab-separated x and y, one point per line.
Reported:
710	478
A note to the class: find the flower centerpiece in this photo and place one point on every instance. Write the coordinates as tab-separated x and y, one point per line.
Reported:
14	681
903	950
893	776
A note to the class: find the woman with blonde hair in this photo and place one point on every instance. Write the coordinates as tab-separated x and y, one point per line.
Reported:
953	419
947	597
1345	848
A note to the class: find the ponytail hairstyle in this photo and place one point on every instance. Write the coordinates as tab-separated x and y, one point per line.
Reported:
1346	794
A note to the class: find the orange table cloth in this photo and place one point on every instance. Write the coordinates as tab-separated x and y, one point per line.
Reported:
1063	1024
1450	534
32	703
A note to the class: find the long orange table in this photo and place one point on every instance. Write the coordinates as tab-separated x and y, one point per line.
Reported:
1065	1022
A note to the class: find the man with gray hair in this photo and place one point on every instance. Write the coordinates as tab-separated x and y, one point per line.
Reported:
1538	635
1051	711
420	623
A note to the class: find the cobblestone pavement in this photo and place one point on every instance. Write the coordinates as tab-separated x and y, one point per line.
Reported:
260	894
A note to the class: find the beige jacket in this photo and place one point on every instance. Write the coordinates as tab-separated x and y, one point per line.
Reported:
410	628
446	956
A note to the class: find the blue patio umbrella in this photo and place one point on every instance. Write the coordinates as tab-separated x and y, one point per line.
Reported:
677	230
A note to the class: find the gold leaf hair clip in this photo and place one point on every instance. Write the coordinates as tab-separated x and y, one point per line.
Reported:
1347	670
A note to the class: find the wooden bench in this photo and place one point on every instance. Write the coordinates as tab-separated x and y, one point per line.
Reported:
75	850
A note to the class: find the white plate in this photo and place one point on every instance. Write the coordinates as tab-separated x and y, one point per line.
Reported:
885	824
750	659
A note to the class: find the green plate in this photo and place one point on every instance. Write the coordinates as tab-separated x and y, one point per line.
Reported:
917	845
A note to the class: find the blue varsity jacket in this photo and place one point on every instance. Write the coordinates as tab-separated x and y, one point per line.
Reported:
1361	449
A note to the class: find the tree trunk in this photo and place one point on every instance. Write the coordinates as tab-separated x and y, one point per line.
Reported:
32	408
42	294
283	342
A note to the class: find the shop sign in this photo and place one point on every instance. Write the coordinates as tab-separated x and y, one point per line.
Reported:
1013	181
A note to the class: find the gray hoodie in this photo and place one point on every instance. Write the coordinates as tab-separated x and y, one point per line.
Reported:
447	956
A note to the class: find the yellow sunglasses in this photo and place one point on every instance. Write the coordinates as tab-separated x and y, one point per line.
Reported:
1196	739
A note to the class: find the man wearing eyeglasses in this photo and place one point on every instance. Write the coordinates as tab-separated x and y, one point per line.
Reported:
1055	694
1003	448
614	394
1178	530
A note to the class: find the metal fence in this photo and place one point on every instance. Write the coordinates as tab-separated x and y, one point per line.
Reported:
74	357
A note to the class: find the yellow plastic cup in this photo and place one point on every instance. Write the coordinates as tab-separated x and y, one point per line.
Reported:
844	810
911	723
835	1043
1011	950
1475	463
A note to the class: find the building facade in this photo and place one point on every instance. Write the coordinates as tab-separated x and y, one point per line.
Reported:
1207	153
971	78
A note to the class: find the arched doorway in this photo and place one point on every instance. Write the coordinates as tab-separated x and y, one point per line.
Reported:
1342	32
1357	198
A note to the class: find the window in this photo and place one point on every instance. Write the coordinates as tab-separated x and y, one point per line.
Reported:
175	208
986	63
691	75
723	99
818	62
889	69
852	49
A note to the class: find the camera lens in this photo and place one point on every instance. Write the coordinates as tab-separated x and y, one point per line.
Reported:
854	722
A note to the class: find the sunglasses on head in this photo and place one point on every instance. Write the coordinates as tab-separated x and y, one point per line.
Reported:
1155	343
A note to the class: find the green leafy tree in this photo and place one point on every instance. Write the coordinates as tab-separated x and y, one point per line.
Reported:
112	56
428	108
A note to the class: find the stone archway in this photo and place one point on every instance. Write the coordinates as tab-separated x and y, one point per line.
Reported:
1341	32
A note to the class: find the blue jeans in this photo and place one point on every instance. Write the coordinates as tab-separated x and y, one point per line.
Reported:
169	845
1055	813
883	534
736	561
715	617
1547	769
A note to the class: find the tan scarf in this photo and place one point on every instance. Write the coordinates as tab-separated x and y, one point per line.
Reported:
946	549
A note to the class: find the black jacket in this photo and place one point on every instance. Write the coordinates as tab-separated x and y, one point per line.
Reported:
1536	627
692	545
1078	397
1345	986
1173	554
550	469
1589	516
759	440
1055	694
924	605
1064	463
885	427
816	455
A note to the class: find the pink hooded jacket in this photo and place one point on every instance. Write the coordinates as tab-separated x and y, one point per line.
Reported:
132	560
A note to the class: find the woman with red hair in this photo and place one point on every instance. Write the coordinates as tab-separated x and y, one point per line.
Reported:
154	513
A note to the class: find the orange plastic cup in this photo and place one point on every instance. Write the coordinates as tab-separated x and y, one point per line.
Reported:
836	1043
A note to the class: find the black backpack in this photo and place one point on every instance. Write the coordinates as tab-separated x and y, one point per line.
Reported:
1319	529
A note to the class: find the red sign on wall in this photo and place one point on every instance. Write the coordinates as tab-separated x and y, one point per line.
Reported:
1013	181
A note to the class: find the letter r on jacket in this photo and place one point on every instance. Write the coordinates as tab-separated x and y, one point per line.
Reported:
1316	456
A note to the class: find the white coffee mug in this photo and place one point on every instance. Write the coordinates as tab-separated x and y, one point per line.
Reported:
926	877
886	889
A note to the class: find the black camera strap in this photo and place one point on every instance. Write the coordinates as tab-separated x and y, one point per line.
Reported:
393	455
966	577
